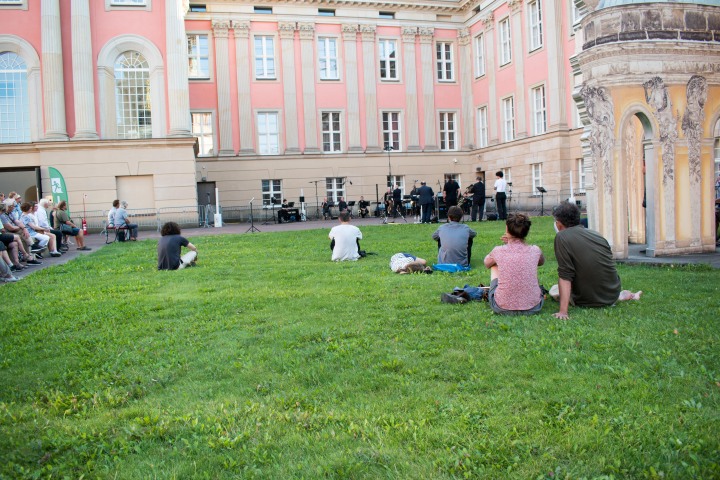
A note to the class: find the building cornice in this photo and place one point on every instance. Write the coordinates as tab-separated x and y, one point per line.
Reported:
442	6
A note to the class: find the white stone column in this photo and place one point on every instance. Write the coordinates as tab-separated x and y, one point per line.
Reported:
466	81
430	120
177	69
493	120
411	97
243	64
82	65
372	143
556	90
518	56
287	45
307	55
349	33
52	71
220	33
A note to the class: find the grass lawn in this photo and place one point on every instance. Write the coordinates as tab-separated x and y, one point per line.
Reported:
270	361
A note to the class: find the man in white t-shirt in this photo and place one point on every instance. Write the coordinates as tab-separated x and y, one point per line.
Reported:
345	239
500	196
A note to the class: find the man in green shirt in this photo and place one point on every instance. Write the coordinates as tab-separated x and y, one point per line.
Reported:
586	268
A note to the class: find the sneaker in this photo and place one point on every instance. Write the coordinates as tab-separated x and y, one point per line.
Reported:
84	248
64	248
33	262
449	298
16	268
55	254
36	249
9	279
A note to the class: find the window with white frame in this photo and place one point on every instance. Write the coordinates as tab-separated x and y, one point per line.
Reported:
264	57
391	130
575	11
581	175
539	111
577	80
536	177
268	129
13	4
271	189
202	129
331	133
393	180
444	58
328	58
14	102
388	60
508	110
479	55
535	24
482	126
447	131
507	175
505	42
132	96
198	56
334	188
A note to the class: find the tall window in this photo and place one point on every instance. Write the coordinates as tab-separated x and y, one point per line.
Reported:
388	60
398	180
271	189
539	111
268	129
444	58
334	188
482	126
505	42
328	57
479	56
331	134
535	24
14	105
202	129
508	119
577	81
264	57
391	130
132	94
447	131
198	56
507	175
536	176
581	175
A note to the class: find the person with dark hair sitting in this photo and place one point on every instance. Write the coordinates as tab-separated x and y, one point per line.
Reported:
345	239
454	239
586	268
514	287
170	249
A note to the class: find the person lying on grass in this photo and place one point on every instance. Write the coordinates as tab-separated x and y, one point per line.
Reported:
586	269
170	246
406	263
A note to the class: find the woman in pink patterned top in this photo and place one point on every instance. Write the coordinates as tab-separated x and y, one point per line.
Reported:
514	287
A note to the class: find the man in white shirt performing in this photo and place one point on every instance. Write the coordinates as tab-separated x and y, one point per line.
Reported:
500	196
345	239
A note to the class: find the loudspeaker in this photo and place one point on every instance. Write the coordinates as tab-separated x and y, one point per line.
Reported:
302	199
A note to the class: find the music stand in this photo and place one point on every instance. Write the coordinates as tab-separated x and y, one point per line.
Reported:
542	200
273	201
252	228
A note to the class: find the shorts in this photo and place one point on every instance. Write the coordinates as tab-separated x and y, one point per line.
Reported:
501	311
6	239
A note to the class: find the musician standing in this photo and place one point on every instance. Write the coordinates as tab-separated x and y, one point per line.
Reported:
478	200
397	199
426	197
450	192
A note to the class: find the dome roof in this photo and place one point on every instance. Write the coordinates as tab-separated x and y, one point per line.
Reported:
619	3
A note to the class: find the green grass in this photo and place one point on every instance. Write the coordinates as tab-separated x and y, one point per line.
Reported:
270	361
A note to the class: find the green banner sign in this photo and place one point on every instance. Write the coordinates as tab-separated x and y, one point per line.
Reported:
57	186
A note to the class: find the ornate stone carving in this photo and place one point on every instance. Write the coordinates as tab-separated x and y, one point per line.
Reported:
221	28
409	34
464	36
697	92
426	34
631	154
488	21
307	30
287	29
656	95
514	5
599	108
367	33
242	29
349	32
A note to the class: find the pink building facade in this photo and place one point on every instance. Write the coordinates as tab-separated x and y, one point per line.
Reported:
287	98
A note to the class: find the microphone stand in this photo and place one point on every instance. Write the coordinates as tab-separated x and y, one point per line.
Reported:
252	228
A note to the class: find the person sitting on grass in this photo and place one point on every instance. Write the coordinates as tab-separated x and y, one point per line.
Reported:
586	269
43	236
454	239
514	287
170	246
406	263
345	239
122	221
66	225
